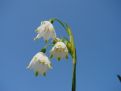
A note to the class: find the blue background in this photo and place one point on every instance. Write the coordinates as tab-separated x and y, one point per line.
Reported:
96	25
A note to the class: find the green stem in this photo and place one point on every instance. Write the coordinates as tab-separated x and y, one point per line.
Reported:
74	78
73	50
73	57
74	74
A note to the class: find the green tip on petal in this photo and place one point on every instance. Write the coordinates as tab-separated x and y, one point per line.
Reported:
51	56
44	74
36	73
59	58
43	50
42	62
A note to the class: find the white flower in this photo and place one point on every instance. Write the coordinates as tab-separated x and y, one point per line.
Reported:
40	64
59	51
45	30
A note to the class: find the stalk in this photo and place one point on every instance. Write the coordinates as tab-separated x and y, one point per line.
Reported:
73	50
74	78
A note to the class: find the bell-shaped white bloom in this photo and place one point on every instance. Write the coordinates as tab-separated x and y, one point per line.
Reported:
45	30
40	64
59	51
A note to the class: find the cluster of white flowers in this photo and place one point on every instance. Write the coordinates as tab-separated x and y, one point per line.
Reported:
40	63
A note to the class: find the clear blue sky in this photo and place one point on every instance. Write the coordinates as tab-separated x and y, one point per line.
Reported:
96	26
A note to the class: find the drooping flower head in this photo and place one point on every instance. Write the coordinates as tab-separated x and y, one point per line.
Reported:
59	50
40	64
45	30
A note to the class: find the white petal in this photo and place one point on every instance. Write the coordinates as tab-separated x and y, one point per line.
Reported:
40	29
38	36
